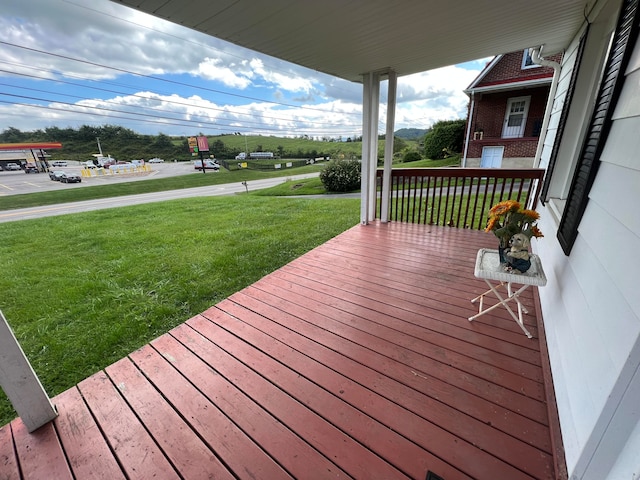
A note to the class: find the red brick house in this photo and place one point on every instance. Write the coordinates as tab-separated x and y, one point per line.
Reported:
506	111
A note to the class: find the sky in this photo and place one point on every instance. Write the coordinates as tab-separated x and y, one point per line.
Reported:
69	63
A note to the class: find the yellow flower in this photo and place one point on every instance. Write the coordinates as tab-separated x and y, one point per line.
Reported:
506	218
532	214
536	232
504	207
491	224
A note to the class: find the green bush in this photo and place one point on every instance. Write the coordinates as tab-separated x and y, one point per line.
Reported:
341	176
411	156
444	139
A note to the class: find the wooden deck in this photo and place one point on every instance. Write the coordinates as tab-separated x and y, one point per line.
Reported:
354	361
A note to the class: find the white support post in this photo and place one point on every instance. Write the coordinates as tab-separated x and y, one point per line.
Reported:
20	383
371	101
388	146
364	164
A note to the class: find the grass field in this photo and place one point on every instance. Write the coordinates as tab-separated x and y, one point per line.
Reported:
82	291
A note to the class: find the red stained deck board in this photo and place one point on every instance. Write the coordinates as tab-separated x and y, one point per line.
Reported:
379	353
8	461
88	452
137	452
440	307
337	308
445	280
428	397
342	449
191	457
420	289
422	432
383	316
290	450
40	454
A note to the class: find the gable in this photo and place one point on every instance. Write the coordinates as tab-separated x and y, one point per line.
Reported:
508	69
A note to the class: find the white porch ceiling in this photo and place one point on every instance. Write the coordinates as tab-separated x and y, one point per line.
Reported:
347	38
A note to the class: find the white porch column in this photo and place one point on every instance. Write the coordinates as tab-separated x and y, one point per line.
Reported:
20	383
388	146
370	109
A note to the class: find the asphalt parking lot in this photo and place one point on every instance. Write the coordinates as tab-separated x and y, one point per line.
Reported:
18	182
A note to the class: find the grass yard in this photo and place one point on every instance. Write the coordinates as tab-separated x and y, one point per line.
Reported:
82	291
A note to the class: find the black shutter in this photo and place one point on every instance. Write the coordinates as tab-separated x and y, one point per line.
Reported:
612	79
563	118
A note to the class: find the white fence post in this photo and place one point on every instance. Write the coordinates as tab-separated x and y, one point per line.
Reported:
20	383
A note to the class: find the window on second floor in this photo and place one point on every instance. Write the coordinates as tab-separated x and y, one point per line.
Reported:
527	61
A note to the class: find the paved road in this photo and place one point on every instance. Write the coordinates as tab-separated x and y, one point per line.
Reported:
88	205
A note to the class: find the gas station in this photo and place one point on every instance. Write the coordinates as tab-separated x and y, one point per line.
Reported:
27	153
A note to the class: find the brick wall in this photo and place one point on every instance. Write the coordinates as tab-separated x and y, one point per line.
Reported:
509	68
489	115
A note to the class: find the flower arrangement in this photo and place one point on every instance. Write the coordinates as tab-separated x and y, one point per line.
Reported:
507	218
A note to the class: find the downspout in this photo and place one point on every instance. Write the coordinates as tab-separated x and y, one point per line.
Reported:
538	60
466	143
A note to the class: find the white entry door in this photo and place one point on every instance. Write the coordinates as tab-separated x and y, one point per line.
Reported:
491	157
515	117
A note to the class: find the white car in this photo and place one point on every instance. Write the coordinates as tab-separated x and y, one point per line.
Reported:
58	163
155	160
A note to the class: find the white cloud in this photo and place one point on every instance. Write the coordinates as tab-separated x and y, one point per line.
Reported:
213	69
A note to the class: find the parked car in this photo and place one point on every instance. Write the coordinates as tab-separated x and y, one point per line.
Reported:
156	160
56	175
31	168
208	165
68	177
12	166
89	165
59	163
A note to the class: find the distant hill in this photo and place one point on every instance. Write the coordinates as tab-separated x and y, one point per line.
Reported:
411	133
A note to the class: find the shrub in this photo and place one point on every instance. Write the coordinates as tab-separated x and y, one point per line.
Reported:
341	176
411	156
444	139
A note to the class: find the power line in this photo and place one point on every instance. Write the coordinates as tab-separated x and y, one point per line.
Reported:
164	100
173	82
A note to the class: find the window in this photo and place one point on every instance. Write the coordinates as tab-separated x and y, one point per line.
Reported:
527	61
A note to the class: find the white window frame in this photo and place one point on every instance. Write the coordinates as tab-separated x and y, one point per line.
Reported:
527	62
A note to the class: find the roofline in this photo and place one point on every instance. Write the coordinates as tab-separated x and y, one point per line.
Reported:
30	146
509	86
485	70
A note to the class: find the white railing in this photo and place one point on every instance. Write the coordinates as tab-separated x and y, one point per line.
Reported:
20	383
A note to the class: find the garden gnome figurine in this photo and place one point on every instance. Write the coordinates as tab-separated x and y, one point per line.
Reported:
518	260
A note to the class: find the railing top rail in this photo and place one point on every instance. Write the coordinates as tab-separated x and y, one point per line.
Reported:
535	173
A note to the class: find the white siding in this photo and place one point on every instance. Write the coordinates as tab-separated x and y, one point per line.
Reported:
591	305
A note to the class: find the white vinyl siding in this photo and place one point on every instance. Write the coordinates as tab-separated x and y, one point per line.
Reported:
590	304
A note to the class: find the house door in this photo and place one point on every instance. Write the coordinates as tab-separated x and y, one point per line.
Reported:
516	117
491	157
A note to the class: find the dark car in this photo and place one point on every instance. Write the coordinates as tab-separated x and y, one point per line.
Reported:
56	175
68	177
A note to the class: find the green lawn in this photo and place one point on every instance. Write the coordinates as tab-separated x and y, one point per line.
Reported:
82	291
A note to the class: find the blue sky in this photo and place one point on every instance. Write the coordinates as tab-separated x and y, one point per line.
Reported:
65	64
